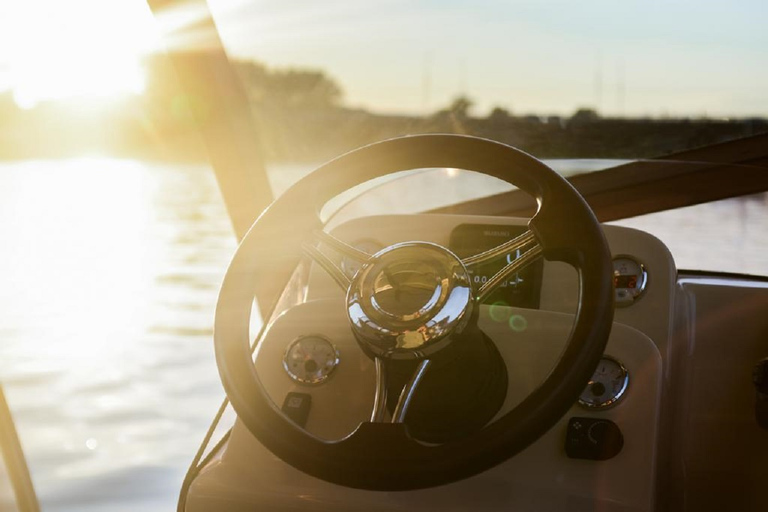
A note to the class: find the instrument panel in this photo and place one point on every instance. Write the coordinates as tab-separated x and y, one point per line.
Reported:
623	394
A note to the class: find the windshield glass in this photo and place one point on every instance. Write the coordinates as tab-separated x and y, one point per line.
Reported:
583	86
115	236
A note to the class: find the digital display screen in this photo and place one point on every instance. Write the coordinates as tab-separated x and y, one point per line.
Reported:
520	289
625	281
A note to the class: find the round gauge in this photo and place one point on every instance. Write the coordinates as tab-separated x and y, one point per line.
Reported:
350	266
629	280
607	385
310	359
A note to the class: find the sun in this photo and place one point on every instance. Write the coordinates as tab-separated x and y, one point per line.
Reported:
88	50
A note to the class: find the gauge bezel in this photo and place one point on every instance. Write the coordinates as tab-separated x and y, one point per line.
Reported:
615	399
643	285
300	380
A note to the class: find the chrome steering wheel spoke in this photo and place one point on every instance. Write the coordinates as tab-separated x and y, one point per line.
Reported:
526	241
327	264
339	246
409	391
500	250
379	412
518	264
380	399
321	237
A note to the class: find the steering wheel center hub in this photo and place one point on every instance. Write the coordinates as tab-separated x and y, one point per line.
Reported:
406	290
408	300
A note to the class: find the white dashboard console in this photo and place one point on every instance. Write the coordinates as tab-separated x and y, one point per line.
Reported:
602	455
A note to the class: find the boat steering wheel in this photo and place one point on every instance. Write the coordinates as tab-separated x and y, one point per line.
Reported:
384	456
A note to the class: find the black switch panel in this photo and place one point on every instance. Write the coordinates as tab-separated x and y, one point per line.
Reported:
296	406
593	439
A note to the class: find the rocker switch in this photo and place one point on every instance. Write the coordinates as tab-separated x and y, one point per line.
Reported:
296	406
593	439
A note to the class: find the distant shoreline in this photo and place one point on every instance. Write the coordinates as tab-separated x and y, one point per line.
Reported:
299	116
299	135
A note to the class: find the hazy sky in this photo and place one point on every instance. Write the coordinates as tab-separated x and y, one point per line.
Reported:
636	57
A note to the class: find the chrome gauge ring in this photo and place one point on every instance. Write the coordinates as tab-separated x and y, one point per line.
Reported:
607	386
310	359
630	280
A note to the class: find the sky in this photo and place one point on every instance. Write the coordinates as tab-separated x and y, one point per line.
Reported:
634	58
53	50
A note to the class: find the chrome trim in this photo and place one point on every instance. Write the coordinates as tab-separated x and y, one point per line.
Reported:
616	397
298	379
406	395
507	247
342	248
517	265
327	264
409	300
642	286
380	399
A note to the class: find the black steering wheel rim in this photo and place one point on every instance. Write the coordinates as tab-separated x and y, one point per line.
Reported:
384	456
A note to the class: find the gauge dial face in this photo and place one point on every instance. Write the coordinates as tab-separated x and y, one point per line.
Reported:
310	359
350	266
607	385
629	280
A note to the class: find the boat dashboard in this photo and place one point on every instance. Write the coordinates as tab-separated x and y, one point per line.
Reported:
604	453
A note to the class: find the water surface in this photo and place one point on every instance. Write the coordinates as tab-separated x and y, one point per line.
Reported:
110	271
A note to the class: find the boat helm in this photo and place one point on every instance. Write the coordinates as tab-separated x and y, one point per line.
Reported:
384	456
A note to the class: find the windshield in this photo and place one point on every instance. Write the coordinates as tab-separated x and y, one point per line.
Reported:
115	235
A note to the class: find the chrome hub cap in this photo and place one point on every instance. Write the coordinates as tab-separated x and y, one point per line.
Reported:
408	300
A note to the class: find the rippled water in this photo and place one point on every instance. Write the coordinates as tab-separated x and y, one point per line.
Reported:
109	273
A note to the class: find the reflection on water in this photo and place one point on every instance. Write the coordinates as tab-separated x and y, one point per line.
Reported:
110	271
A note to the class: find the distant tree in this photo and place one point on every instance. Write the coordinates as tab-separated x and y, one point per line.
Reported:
585	115
255	77
460	107
499	114
298	87
290	87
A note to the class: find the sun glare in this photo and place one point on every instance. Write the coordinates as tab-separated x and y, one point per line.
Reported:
83	49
